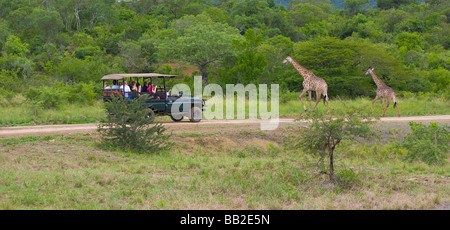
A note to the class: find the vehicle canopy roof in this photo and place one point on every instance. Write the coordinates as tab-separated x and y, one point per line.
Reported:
136	75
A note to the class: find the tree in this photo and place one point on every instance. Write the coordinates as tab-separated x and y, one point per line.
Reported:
131	57
326	133
14	58
388	4
15	47
198	40
129	127
250	62
47	23
305	13
80	14
408	41
355	6
276	49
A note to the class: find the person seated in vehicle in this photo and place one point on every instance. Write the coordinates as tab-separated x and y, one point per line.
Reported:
144	87
138	87
107	86
164	94
115	85
133	86
152	89
135	89
125	88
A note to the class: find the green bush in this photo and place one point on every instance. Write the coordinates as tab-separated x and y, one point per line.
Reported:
46	97
428	144
347	177
130	126
83	93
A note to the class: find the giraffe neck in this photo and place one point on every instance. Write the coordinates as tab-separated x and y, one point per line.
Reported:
377	81
302	70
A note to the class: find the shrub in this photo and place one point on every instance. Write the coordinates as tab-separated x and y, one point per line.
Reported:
83	93
49	97
347	177
130	126
428	144
46	97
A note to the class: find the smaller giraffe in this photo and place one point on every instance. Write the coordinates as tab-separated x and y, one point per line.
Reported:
310	83
383	92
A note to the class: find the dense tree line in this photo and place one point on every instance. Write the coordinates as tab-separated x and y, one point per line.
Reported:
79	41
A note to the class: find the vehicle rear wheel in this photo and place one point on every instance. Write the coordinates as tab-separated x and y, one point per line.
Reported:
196	114
150	113
176	118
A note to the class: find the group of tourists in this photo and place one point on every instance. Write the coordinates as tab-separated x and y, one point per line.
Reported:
134	87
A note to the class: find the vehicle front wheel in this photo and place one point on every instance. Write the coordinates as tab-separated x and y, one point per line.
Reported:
176	118
196	114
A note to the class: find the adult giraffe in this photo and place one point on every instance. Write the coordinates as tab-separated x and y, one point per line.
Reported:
310	83
383	92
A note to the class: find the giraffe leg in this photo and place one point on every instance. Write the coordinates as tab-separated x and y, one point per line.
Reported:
300	97
387	105
373	103
318	93
382	105
398	111
394	99
309	94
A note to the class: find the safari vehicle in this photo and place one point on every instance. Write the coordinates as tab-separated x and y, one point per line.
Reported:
162	101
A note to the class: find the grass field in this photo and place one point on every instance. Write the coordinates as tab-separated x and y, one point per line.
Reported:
20	113
17	111
213	168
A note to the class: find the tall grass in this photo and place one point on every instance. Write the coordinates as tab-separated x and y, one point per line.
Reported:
412	106
18	111
290	105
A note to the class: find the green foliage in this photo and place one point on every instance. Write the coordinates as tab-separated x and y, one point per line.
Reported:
15	47
81	93
355	6
128	127
131	58
49	97
88	69
249	64
428	144
46	97
87	51
80	41
9	83
44	22
408	41
387	4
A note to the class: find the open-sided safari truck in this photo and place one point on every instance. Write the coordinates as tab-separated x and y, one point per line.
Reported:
160	101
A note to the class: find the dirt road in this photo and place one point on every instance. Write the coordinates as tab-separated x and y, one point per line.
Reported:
11	132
